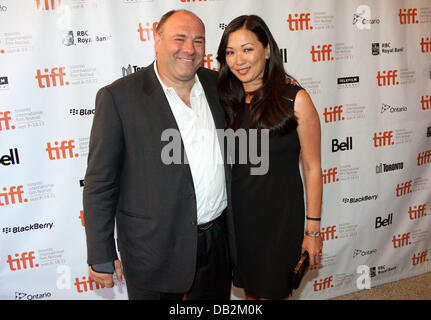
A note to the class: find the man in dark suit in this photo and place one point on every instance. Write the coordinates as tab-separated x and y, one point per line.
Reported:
172	219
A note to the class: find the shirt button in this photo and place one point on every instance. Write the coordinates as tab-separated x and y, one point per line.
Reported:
193	223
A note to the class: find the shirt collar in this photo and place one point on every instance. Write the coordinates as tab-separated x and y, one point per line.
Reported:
196	89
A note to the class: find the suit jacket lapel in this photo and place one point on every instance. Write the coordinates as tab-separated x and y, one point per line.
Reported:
212	98
157	99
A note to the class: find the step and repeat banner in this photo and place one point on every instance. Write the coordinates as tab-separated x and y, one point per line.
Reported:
366	65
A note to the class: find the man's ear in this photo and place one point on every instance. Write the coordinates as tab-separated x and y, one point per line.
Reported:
157	39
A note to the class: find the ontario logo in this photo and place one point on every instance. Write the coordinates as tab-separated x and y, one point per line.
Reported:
29	296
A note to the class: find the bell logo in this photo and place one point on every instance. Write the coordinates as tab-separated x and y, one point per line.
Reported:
387	78
383	139
408	16
419	258
425	101
424	157
50	79
85	285
330	175
47	4
401	240
12	195
343	146
10	159
207	62
403	188
145	33
299	23
4	121
56	153
21	262
323	284
321	54
328	233
425	45
333	114
417	212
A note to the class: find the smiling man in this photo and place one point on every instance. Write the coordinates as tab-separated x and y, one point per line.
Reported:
172	219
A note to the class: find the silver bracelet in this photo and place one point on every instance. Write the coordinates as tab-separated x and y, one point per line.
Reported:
312	234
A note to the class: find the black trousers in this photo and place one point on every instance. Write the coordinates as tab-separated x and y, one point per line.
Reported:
213	272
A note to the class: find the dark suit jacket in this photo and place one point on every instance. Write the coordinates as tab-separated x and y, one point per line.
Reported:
153	204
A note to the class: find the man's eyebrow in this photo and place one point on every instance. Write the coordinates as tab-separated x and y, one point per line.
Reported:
181	35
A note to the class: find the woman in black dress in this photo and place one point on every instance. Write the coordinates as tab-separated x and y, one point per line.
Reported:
269	209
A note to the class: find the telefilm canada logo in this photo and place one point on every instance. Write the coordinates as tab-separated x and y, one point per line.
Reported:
348	82
4	83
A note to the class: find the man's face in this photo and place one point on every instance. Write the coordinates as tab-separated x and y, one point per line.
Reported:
180	47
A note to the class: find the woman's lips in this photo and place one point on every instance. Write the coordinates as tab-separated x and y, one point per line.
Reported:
243	71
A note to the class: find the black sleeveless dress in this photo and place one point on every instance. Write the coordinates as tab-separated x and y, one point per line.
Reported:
269	215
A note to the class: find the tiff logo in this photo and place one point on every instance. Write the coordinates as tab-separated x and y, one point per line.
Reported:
419	258
299	23
424	157
145	33
207	62
47	4
425	101
387	78
56	153
333	114
403	188
21	262
330	175
50	79
401	240
12	195
417	212
4	119
408	16
425	45
85	285
383	139
328	233
323	284
321	54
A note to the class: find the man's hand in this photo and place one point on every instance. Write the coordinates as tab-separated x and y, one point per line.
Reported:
106	279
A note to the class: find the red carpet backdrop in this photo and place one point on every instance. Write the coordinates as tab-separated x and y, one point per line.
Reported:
366	65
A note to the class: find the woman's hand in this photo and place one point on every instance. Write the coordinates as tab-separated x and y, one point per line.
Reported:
314	248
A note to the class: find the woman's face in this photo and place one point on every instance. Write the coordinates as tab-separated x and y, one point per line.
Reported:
246	58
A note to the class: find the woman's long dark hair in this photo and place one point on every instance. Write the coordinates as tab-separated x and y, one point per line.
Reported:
268	106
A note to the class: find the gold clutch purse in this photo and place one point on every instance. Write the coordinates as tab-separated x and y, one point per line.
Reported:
300	270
